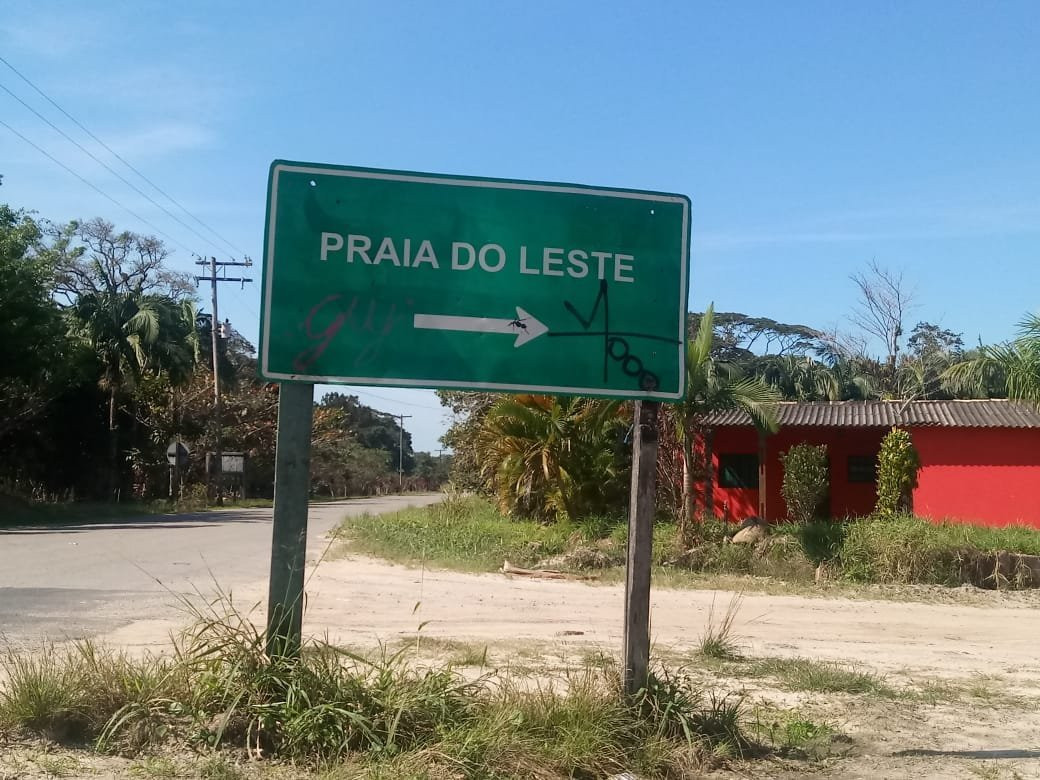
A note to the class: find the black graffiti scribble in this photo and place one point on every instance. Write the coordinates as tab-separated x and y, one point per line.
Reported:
615	343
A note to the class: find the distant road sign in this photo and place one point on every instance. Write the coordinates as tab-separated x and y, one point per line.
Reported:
233	462
177	454
230	462
403	279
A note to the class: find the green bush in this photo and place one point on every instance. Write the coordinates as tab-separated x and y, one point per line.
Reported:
908	549
898	464
806	481
901	549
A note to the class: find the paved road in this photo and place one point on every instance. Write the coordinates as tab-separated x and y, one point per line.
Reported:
72	581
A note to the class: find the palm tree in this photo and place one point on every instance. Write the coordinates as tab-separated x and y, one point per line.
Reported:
800	378
551	457
713	385
855	379
1015	366
131	334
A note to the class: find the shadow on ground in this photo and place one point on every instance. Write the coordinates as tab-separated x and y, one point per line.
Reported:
980	754
193	520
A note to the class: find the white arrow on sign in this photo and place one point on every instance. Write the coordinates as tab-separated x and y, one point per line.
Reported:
524	327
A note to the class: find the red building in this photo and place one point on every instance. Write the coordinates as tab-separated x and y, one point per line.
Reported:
980	460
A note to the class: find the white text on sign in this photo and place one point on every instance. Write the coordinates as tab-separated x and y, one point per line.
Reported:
491	258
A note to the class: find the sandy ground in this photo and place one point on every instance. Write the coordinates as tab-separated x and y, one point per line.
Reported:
361	602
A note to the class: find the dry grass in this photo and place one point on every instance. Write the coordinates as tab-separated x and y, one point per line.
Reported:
221	691
718	640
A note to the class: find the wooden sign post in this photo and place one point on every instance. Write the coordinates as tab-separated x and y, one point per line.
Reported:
289	532
640	545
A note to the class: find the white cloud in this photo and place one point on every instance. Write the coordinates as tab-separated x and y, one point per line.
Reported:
54	33
161	139
160	90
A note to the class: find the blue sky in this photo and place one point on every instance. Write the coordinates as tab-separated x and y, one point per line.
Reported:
811	137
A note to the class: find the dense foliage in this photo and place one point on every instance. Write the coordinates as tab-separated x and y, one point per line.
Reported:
806	481
107	360
898	464
552	458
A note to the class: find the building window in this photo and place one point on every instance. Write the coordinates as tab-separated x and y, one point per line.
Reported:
862	469
738	471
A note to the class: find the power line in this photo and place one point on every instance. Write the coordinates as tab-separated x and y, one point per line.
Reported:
403	403
94	187
107	167
119	157
240	296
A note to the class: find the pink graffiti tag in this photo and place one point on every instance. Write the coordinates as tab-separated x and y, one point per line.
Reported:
345	317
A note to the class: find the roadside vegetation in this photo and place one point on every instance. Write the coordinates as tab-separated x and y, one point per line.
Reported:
468	533
108	358
220	694
219	706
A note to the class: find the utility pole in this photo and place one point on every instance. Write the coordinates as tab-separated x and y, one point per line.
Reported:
213	264
400	449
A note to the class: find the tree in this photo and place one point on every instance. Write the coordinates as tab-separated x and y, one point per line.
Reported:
740	338
1014	366
883	305
432	471
929	342
373	429
468	413
133	314
855	378
341	466
800	378
549	457
930	351
31	328
94	258
131	335
31	322
713	385
806	481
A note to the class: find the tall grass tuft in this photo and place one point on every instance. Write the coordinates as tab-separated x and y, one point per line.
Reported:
42	694
717	641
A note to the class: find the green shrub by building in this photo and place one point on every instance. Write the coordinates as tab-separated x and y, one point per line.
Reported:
806	481
898	464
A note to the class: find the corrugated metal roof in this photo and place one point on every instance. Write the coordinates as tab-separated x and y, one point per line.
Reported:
989	413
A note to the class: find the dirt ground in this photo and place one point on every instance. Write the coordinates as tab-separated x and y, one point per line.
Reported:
987	651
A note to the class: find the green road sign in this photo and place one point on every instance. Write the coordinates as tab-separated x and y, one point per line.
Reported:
419	280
